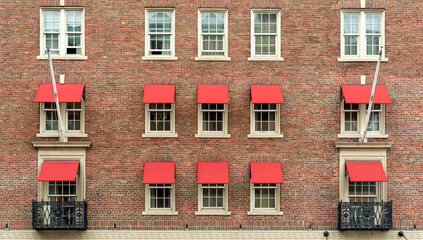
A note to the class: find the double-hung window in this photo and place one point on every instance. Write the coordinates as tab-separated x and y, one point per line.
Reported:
160	117
213	35
62	191
160	196
362	191
212	196
265	35
265	118
160	34
213	118
362	35
265	196
72	118
351	117
62	31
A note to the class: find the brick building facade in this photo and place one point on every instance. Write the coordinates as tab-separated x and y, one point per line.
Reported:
309	50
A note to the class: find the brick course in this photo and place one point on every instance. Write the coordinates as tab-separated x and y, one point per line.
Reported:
114	75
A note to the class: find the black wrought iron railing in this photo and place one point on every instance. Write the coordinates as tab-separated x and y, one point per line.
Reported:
59	215
365	215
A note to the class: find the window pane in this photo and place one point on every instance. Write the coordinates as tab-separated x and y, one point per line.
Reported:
51	21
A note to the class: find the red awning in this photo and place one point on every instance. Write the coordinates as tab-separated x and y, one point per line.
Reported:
271	94
213	173
65	92
58	171
360	94
213	94
159	173
266	172
366	171
159	94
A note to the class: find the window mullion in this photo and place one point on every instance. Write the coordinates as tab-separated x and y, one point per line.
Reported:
62	33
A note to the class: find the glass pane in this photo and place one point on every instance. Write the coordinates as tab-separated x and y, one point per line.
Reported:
219	202
51	21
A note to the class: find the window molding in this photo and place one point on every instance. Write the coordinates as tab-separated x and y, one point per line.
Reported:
213	211
48	151
148	134
261	212
63	113
361	122
149	211
223	134
361	152
277	134
62	34
223	57
362	56
147	56
278	46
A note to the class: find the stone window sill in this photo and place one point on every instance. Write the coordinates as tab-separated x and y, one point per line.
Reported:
264	212
212	59
358	135
161	58
49	135
213	212
361	59
160	212
45	57
212	135
264	135
160	135
277	59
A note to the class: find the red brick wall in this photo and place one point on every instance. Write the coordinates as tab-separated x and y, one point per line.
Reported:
114	75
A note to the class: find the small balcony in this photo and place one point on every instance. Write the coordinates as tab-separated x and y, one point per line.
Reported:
365	215
59	215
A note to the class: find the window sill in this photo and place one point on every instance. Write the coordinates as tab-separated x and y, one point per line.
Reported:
278	59
45	57
215	212
264	212
212	135
212	58
163	58
160	212
256	135
361	59
160	135
358	135
48	135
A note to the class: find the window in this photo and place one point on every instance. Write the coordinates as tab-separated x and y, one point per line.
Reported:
160	196
213	35
213	120
354	117
362	192
160	34
60	191
160	115
72	117
264	196
265	120
212	195
62	31
265	35
362	35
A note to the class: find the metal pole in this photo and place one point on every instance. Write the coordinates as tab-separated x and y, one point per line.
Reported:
369	109
62	137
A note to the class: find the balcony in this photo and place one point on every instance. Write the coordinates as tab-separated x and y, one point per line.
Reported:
365	215
59	215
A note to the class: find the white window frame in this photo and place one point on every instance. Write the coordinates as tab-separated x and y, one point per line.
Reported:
265	211
64	115
361	51
362	196
159	211
147	55
159	134
212	210
63	195
212	134
67	118
257	134
277	56
223	57
62	34
361	122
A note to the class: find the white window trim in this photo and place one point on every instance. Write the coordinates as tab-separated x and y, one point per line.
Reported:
147	37
361	122
257	211
63	113
62	34
361	152
155	211
276	134
278	56
362	57
213	211
53	151
170	134
223	134
225	43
